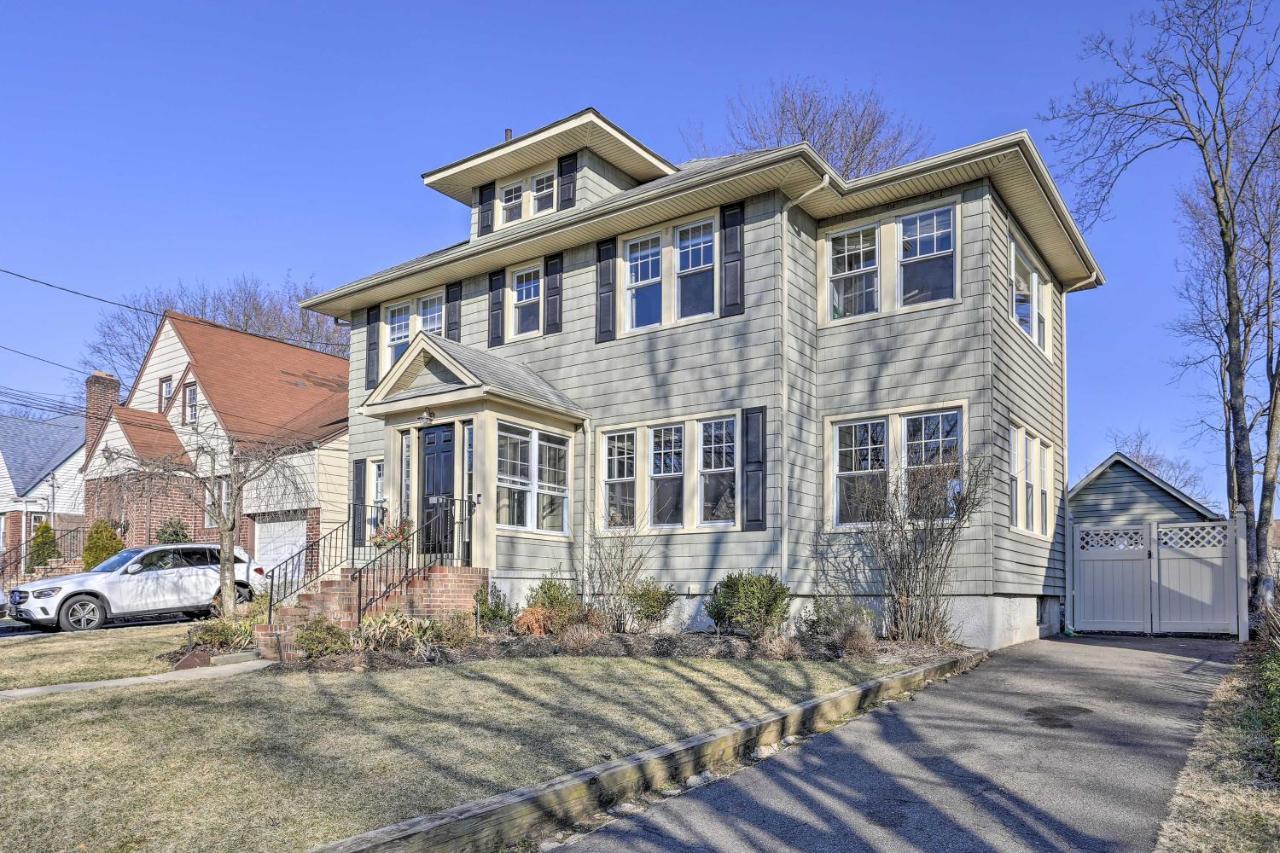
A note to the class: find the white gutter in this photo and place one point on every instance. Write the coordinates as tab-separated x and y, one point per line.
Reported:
785	442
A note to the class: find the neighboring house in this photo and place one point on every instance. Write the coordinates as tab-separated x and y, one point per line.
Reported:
40	480
199	385
712	353
1122	491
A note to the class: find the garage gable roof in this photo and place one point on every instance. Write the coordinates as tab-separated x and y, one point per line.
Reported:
1119	458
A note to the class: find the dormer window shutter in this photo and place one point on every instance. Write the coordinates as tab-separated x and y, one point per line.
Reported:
754	490
486	195
372	346
453	311
732	295
606	291
497	286
567	172
553	267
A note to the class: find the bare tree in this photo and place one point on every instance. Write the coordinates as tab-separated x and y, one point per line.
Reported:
853	130
1176	471
122	336
1203	78
905	524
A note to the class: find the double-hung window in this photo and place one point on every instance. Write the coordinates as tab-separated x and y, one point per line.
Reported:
1046	454
512	202
862	482
927	269
1030	479
528	301
398	330
553	483
544	192
666	477
1013	476
431	312
515	478
1029	446
854	273
644	282
190	407
695	270
221	499
166	391
933	445
1029	295
406	474
620	479
718	471
533	479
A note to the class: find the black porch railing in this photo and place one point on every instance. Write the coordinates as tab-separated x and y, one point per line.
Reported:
443	539
299	571
19	560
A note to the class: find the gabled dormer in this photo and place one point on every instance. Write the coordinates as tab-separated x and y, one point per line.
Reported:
572	162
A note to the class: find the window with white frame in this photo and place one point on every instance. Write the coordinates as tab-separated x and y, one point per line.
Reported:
666	476
1014	501
406	474
932	443
927	267
431	313
1029	295
1030	480
695	269
398	330
718	480
644	282
862	480
1029	447
533	479
527	285
544	192
190	404
1046	455
221	498
854	273
469	460
620	479
166	391
512	202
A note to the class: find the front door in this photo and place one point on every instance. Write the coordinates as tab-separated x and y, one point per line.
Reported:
437	489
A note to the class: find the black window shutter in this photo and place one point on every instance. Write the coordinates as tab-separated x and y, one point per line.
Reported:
359	514
567	171
606	291
732	298
497	284
372	322
754	429
553	272
486	196
453	311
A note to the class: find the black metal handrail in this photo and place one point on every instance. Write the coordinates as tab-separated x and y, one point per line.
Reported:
443	539
298	571
68	545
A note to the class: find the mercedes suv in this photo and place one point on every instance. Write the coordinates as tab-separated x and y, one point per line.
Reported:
152	581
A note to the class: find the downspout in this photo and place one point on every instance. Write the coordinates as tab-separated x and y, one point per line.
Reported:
785	442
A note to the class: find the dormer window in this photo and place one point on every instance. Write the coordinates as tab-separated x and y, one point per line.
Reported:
544	192
512	202
165	393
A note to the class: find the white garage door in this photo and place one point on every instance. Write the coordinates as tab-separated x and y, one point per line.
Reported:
278	537
1162	578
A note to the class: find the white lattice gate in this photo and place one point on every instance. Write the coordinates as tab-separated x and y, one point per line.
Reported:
1162	578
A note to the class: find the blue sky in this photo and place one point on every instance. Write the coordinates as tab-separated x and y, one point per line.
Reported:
144	143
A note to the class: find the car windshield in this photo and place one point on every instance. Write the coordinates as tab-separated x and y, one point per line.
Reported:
117	560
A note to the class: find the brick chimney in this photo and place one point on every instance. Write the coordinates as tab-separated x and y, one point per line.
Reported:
101	392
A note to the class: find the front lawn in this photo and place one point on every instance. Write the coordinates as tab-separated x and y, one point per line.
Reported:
286	760
89	656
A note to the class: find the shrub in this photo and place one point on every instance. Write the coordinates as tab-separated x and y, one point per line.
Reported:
756	605
224	635
535	622
318	637
493	611
561	603
393	631
857	639
102	542
173	532
455	630
43	546
649	602
779	647
578	638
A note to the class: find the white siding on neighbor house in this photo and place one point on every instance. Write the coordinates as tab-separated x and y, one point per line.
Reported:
331	482
8	500
113	439
69	494
1120	495
168	357
290	485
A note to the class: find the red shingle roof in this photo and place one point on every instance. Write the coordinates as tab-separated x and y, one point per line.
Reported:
150	435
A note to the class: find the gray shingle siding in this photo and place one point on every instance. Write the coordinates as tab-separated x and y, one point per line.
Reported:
1119	495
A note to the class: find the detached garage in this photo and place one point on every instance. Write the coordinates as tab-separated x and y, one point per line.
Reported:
1146	557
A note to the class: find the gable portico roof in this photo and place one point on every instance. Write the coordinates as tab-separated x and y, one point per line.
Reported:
1119	458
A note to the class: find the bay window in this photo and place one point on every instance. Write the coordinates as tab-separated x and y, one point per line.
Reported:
1013	477
855	282
406	474
644	282
1030	295
528	301
1030	481
862	482
620	479
718	471
932	443
397	331
533	479
1046	454
1029	446
515	480
927	267
695	265
666	477
553	483
431	312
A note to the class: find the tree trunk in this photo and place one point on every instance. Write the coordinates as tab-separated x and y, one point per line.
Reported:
227	568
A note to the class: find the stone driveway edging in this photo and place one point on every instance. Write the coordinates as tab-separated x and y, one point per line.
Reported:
489	824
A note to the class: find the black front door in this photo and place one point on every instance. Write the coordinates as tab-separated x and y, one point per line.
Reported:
437	489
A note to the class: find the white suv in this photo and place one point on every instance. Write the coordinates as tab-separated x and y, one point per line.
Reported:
157	580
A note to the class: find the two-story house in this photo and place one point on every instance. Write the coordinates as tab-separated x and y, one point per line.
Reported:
711	354
40	482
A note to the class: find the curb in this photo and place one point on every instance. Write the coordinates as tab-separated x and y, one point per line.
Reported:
491	823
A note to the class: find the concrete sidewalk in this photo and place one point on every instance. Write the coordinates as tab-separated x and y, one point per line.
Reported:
1051	745
203	673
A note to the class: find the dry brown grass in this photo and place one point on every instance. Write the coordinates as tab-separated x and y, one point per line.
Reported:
89	656
283	761
1228	796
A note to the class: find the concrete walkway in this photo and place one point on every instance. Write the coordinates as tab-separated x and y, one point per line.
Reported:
1050	745
203	673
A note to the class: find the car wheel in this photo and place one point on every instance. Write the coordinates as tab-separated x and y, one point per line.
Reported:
243	596
81	613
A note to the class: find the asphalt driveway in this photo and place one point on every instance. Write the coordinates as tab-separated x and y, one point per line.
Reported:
1065	744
